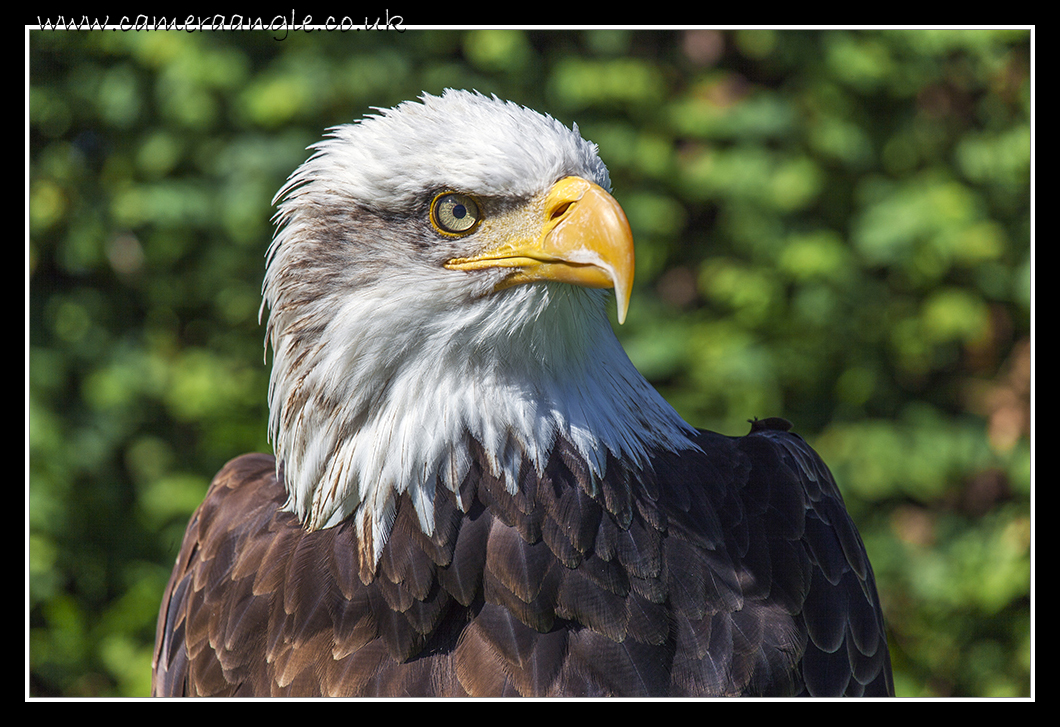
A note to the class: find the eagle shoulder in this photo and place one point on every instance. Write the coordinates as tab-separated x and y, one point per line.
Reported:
833	587
259	606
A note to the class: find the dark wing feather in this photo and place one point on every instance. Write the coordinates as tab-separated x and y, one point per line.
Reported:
257	606
846	646
734	570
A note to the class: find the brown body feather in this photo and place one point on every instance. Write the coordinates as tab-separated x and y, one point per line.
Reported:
735	571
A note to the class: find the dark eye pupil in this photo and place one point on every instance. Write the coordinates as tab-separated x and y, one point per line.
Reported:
459	211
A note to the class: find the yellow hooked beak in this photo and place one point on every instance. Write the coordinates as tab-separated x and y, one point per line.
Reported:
584	239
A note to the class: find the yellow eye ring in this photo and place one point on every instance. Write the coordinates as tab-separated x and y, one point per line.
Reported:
453	213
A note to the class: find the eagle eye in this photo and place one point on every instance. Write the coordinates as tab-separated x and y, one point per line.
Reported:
453	213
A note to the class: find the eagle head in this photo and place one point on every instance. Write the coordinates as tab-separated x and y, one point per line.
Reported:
437	288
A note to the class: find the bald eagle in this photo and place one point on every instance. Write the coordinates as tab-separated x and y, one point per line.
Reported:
474	492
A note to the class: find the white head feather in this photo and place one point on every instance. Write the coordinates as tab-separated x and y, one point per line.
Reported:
386	363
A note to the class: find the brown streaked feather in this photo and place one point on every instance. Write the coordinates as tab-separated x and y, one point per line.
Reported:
737	572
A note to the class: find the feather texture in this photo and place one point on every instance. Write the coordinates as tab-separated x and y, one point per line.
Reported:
747	579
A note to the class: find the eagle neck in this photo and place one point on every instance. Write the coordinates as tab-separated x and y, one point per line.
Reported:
367	411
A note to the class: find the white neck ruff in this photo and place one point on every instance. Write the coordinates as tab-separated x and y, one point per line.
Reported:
363	409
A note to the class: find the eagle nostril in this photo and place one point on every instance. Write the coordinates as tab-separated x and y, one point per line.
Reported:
560	211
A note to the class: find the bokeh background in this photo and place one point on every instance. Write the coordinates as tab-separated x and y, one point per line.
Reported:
833	226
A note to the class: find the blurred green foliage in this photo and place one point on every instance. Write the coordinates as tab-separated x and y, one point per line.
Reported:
833	226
